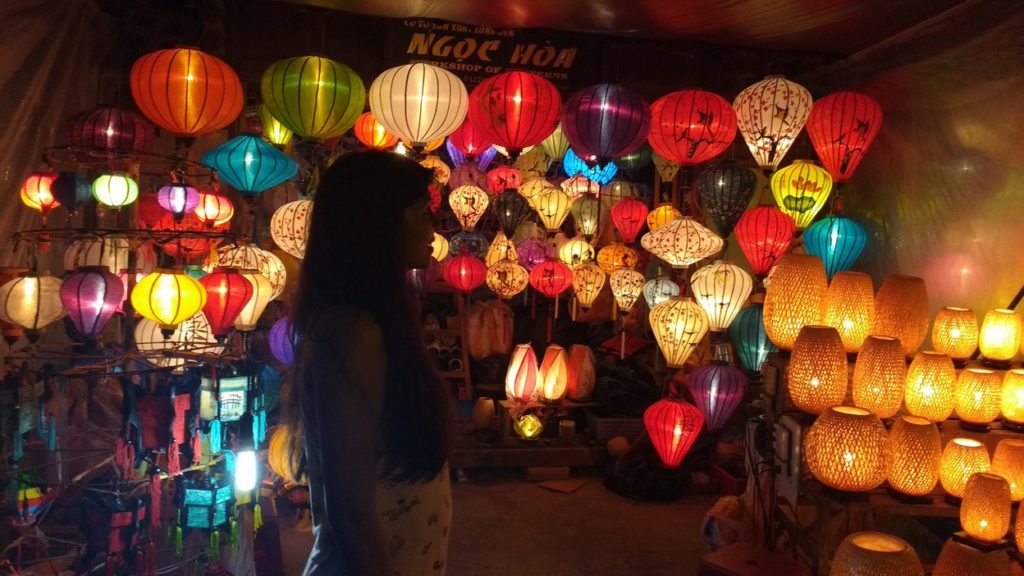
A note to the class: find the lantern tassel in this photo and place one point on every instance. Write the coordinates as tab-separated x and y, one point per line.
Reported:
215	436
155	494
234	532
622	345
257	517
109	564
51	435
173	462
197	448
215	545
18	449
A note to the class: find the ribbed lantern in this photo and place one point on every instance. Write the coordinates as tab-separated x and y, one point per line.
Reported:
227	293
627	285
764	234
770	115
575	252
629	217
616	191
113	129
31	301
961	458
1000	335
958	559
507	278
915	456
373	134
717	390
533	186
316	98
901	311
468	203
289	226
515	109
985	510
504	178
464	272
510	209
168	297
682	243
816	376
955	333
439	247
679	324
879	376
846	449
90	296
442	172
587	281
534	251
877	554
115	190
468	175
429	147
662	215
214	209
501	248
178	198
250	165
605	121
842	127
281	341
276	133
553	206
186	92
795	297
551	278
36	193
552	377
1012	398
634	161
725	190
579	186
617	256
71	190
721	289
673	426
10	331
586	215
749	337
837	240
262	294
930	387
801	190
850	308
978	392
660	289
521	377
556	145
191	336
419	102
691	126
1008	462
667	170
469	140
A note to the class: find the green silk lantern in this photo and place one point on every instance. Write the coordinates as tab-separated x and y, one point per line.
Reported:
316	98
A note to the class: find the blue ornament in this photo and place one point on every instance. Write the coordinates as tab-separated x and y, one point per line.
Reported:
250	165
749	337
602	174
837	240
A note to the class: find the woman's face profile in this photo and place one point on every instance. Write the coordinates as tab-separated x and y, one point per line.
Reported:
418	234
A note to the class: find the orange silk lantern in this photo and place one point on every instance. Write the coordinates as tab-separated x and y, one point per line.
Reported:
553	374
214	209
36	193
372	134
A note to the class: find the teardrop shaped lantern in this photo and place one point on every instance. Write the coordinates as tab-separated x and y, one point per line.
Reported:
586	215
469	140
616	191
616	257
115	190
521	377
316	98
627	286
532	187
667	170
468	203
679	324
553	206
551	278
587	281
214	209
178	198
764	234
689	127
373	134
107	128
418	102
555	145
794	298
249	257
507	278
662	215
250	165
227	293
673	426
31	301
574	165
262	294
276	133
717	390
510	210
36	193
660	289
801	190
725	190
605	121
168	297
552	377
682	242
837	240
842	127
515	109
186	92
464	272
721	289
71	190
770	115
749	338
629	217
91	295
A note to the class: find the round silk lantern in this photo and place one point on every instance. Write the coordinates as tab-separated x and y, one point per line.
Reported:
662	215
627	285
71	190
468	203
213	209
552	378
978	392
795	297
115	190
770	115
501	249
587	281
276	133
749	337
673	426
690	126
721	289
629	217
168	297
579	186
553	206
817	371
605	121
616	256
837	240
504	178
178	199
507	278
373	134
249	257
717	390
961	458
418	102
915	456
764	234
186	92
316	98
262	294
109	251
634	161
556	145
36	193
575	252
574	165
876	553
901	311
586	215
846	449
1000	336
725	190
985	510
468	140
227	293
31	301
842	127
551	278
1012	398
510	209
679	324
955	333
515	109
464	272
112	129
521	377
533	187
682	242
250	165
1008	462
616	191
532	252
660	289
801	190
439	247
90	296
879	376
191	336
930	386
281	341
850	308
442	173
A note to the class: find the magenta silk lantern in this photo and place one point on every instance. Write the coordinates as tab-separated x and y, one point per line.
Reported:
717	390
689	127
111	129
515	109
605	121
91	295
533	252
178	199
281	341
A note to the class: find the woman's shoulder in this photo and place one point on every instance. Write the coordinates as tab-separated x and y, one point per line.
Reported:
344	324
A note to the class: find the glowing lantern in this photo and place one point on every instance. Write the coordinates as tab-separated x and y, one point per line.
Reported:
553	374
587	281
636	160
250	165
551	278
439	247
658	290
528	426
667	170
227	294
717	389
533	187
764	234
662	215
629	217
10	331
846	449
616	191
31	301
427	148
419	102
262	294
605	121
673	426
468	175
515	109
373	134
817	371
501	249
507	278
627	285
555	145
842	127
721	289
801	190
186	92
276	133
617	256
1008	462
879	376
978	392
510	209
837	240
316	98
178	199
111	129
191	336
901	311
930	386
961	458
689	127
468	140
464	272
725	191
36	193
214	209
442	173
70	190
863	553
575	252
999	339
682	242
795	297
91	295
115	190
422	278
533	252
576	166
151	214
468	203
289	227
850	308
521	378
1012	397
248	257
955	333
504	178
958	559
679	324
481	160
553	206
586	215
770	115
749	337
579	186
985	510
474	243
168	297
915	456
281	341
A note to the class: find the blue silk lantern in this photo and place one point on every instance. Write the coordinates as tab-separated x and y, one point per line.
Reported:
749	337
281	341
250	165
602	174
837	240
206	504
482	160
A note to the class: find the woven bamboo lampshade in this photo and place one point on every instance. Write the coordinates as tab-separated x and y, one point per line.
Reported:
1012	398
662	215
901	311
958	559
627	285
721	289
501	248
587	281
850	308
960	458
955	332
1008	462
553	206
930	387
999	339
795	298
521	377
875	554
817	371
846	449
682	242
679	324
915	456
576	251
617	256
985	510
507	278
879	376
552	378
978	391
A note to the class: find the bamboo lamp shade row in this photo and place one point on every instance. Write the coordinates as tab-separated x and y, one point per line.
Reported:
749	337
575	252
262	294
553	374
915	456
249	257
879	376
850	308
289	226
978	392
1008	462
801	190
725	190
510	209
168	297
501	248
551	278
690	126
842	127
250	165
931	386
679	324
515	109
617	256
504	178
276	133
764	234
660	289
817	373
507	278
521	378
605	121
955	332
662	215
419	102
717	390
107	128
1000	335
191	336
961	458
837	240
901	311
673	426
555	145
721	289
682	242
553	206
587	215
795	297
629	216
627	286
985	510
770	115
875	554
468	203
227	294
846	449
588	279
464	272
90	296
958	559
316	98
214	209
1012	397
372	133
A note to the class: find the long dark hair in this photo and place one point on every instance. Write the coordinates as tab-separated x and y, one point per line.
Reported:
353	260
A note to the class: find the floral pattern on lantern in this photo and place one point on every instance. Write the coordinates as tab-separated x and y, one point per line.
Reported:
721	289
691	126
837	240
801	190
901	311
978	392
507	278
468	203
533	187
842	127
249	257
419	102
90	296
515	109
955	332
764	234
250	165
850	308
316	98
879	376
673	426
846	449
679	324
617	256
504	178
816	376
289	227
750	339
795	297
586	215
985	509
915	456
682	242
875	553
627	285
770	115
930	387
587	281
961	458
521	378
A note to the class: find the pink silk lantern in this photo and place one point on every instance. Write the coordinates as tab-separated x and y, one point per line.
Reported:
91	295
605	121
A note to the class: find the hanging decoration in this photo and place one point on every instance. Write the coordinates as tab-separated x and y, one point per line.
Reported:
552	377
556	145
605	121
37	194
168	297
464	272
281	341
534	251
115	190
442	173
112	129
717	390
586	215
468	140
192	336
749	337
579	186
373	134
587	281
90	296
673	426
553	206
250	165
801	190
902	311
532	187
515	109
617	256
177	198
770	115
576	166
504	178
660	289
627	286
473	243
764	235
31	301
468	175
661	216
636	160
725	190
682	242
510	209
71	190
629	217
507	278
468	203
667	170
501	248
227	293
214	209
842	127
837	240
616	191
679	324
439	247
262	294
316	98
249	257
721	289
481	160
10	330
846	449
276	133
690	127
418	102
575	252
551	278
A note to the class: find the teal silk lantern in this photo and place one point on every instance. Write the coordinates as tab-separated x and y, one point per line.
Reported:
250	165
206	504
602	174
837	240
749	337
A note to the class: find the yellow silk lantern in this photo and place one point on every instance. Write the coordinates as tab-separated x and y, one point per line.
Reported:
587	281
500	249
627	285
442	173
999	339
1012	397
721	289
958	559
960	458
876	554
439	247
468	203
679	324
507	278
930	386
850	308
521	377
816	377
978	391
553	374
168	297
532	187
553	206
682	242
795	297
879	376
617	256
31	301
115	190
801	190
276	133
901	311
575	252
915	456
316	98
262	294
662	215
1008	462
586	215
846	449
556	145
985	510
955	332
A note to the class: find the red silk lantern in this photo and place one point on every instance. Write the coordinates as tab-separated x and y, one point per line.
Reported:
464	272
214	209
187	247
91	295
504	178
551	278
111	129
605	121
629	217
150	212
37	193
515	109
673	426
372	133
842	127
764	234
717	390
227	293
689	127
469	140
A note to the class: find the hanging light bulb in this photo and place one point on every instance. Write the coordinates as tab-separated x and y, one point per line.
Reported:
801	190
721	289
679	325
682	242
627	286
168	297
770	115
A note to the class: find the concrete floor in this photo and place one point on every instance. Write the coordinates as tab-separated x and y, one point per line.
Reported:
510	527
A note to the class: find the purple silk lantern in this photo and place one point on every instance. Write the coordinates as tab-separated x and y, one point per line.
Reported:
532	252
281	341
422	278
482	160
91	295
717	390
605	121
111	129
